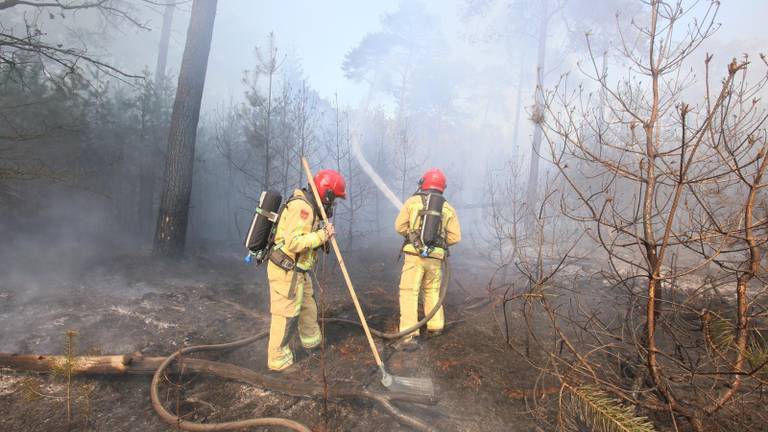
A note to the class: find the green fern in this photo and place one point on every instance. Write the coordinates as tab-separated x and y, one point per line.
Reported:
601	413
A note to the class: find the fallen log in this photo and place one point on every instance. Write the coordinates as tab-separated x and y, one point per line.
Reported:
137	364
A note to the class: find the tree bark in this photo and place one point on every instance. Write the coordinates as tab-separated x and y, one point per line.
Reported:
170	234
165	37
149	168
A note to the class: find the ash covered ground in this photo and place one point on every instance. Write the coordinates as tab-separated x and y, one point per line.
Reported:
136	303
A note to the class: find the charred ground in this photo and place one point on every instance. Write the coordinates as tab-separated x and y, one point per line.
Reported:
140	304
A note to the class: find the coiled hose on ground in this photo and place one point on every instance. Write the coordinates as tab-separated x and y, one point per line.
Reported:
175	420
201	427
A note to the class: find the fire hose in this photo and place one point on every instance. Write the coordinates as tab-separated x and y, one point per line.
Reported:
389	336
339	390
293	388
200	427
170	418
176	420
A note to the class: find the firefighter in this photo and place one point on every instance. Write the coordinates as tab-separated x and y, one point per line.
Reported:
298	236
422	267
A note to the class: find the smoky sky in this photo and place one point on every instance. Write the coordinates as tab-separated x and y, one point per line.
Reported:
316	36
482	65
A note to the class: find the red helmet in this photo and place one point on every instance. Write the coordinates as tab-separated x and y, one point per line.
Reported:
433	179
330	184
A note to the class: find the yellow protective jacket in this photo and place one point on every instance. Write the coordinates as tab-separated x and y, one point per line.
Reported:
298	232
407	220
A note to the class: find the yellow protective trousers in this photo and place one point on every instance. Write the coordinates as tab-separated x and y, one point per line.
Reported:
420	273
292	306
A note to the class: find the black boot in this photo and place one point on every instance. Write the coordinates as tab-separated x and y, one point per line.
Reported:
433	333
407	345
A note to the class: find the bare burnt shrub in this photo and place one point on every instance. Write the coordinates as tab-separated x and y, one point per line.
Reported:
664	172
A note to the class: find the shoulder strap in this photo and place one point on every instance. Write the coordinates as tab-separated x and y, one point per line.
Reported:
423	197
279	216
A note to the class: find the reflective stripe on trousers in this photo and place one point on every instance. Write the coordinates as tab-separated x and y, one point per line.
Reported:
290	308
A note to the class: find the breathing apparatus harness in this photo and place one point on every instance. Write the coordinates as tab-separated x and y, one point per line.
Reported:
427	234
261	237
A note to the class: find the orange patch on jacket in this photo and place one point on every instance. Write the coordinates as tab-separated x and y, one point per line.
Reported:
304	214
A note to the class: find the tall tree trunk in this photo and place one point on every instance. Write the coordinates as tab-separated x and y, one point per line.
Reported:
149	166
538	114
165	37
170	235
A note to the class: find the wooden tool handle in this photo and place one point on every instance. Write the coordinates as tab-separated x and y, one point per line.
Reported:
335	245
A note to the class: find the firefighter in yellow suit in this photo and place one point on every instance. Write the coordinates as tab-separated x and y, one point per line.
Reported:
423	272
297	238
